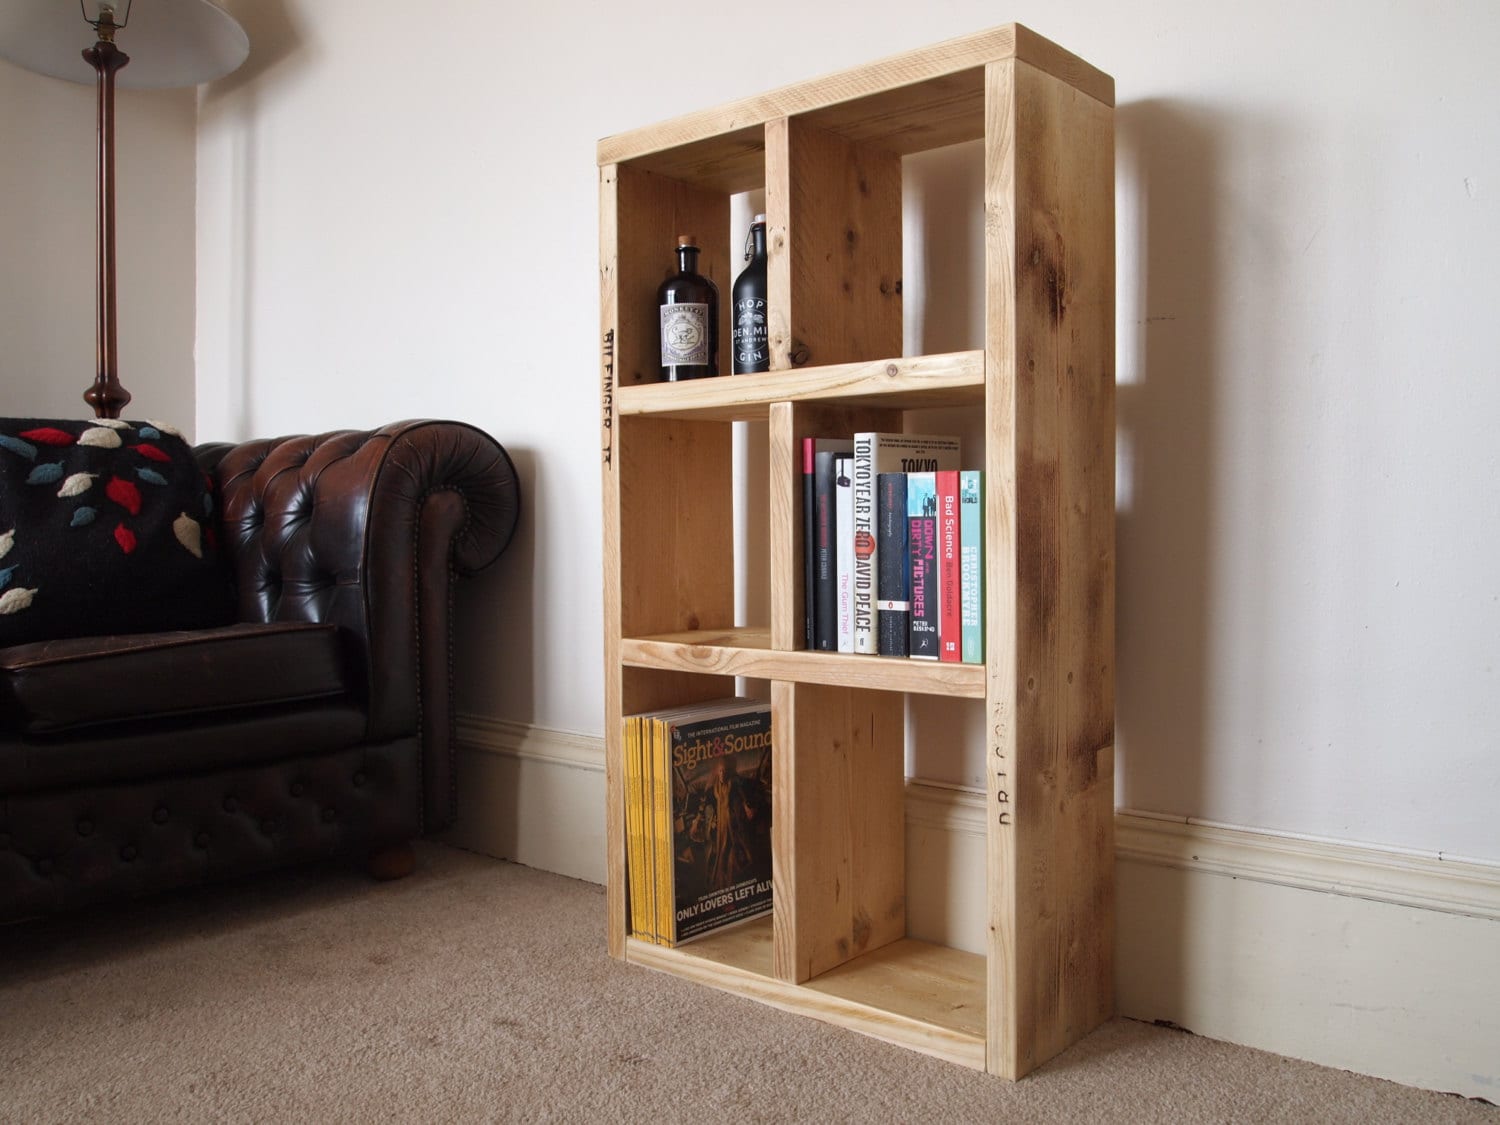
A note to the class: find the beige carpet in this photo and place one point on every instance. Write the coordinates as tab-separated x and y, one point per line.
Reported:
477	990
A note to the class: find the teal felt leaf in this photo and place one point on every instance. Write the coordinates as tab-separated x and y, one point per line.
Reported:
5	576
151	476
16	445
83	516
46	474
149	432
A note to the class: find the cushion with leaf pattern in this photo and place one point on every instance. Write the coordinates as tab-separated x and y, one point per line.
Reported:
105	527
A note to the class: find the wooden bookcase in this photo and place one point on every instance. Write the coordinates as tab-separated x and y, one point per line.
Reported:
828	155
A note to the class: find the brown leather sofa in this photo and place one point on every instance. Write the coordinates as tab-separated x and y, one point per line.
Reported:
318	724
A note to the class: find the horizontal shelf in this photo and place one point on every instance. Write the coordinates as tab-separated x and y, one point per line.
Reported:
748	652
951	379
924	997
911	102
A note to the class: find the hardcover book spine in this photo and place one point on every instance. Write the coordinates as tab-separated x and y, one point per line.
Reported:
843	495
949	628
809	544
971	564
921	512
825	581
893	597
866	546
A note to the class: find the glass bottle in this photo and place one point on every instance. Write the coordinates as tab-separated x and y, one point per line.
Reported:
689	318
752	338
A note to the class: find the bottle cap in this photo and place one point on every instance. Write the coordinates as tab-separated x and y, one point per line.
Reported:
758	221
687	240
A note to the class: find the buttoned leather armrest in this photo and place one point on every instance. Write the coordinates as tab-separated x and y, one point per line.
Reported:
367	530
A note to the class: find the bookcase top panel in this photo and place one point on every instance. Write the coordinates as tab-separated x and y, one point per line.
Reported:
907	103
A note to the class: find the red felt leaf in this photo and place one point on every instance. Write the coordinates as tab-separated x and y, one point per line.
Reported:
48	435
125	538
152	452
125	494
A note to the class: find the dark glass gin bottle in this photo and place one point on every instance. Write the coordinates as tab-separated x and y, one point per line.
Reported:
752	337
689	318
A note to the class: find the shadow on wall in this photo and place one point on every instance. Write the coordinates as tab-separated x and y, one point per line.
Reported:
494	617
230	106
274	42
1170	331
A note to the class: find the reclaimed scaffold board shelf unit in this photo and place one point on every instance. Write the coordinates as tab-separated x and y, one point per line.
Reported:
828	155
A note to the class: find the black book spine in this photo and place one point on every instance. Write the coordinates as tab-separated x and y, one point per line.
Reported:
893	598
825	581
809	546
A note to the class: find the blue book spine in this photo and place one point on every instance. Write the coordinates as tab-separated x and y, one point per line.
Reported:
921	533
971	564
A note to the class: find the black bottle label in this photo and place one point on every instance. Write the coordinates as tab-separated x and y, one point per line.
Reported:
684	334
752	346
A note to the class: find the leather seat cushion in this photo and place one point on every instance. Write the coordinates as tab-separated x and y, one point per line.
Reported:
54	687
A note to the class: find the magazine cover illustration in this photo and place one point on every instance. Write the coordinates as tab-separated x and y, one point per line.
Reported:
721	821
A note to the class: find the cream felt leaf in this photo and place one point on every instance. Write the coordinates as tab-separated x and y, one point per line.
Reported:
189	534
112	423
100	438
164	428
14	601
77	484
7	541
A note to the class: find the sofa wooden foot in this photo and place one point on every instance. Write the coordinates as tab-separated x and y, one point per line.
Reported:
394	862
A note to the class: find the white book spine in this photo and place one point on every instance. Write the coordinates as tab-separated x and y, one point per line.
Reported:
844	537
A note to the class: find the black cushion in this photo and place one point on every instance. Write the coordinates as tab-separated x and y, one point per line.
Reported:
57	686
105	527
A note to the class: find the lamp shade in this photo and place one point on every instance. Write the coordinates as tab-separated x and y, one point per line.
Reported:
170	42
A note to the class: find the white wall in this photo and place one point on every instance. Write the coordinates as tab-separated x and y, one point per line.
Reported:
397	216
48	146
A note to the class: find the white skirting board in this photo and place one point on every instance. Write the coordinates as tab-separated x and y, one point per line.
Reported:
1364	958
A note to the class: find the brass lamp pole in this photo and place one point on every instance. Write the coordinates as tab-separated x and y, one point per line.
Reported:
106	396
176	43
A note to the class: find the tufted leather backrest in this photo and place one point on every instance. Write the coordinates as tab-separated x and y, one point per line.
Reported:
313	523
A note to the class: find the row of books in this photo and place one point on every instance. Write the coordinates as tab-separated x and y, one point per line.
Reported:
894	564
697	818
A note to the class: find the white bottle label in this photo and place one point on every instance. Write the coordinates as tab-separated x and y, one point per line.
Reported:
684	334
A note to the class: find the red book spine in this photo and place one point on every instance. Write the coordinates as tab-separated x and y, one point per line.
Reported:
950	620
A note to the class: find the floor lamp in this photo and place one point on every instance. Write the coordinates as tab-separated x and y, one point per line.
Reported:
172	43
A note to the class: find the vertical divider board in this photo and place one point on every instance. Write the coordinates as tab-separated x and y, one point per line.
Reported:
838	851
833	209
1049	190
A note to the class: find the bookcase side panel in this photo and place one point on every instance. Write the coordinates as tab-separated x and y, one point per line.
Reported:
614	775
1000	558
1061	785
839	873
650	212
843	235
